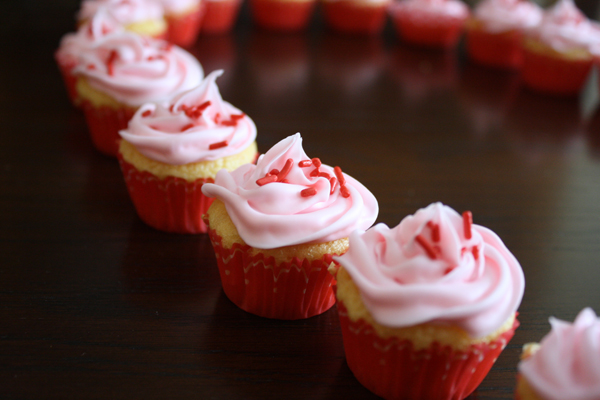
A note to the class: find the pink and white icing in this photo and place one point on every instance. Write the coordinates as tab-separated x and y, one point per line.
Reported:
134	70
293	204
123	11
194	126
435	267
564	27
179	6
430	8
505	15
567	363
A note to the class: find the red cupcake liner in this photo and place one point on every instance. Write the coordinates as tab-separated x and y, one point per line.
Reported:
393	369
171	204
219	16
438	32
259	285
282	15
502	50
104	124
184	29
348	16
554	75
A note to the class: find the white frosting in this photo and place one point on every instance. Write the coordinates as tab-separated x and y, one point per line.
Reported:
504	15
430	8
124	11
178	6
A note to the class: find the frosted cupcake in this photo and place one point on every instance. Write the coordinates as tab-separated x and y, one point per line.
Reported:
170	150
184	19
557	57
356	16
431	23
495	31
276	225
219	16
144	17
427	307
124	71
566	364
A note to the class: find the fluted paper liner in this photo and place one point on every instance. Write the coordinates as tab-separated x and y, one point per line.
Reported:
104	124
261	286
171	204
184	29
393	369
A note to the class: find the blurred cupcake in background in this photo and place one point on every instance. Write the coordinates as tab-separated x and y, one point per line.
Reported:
565	365
144	17
357	17
169	150
431	23
557	53
184	19
282	15
219	16
495	31
124	71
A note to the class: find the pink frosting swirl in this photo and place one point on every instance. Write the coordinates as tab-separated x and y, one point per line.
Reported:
427	8
505	15
565	27
567	363
135	70
435	267
196	125
123	11
304	206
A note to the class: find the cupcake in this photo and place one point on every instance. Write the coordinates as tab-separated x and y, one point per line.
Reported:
566	364
426	307
356	16
74	44
219	16
124	71
495	31
557	58
184	19
169	150
431	23
276	225
144	17
282	15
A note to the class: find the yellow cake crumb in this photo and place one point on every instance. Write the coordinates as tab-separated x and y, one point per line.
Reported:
152	28
189	172
422	336
576	54
529	349
219	220
96	97
524	391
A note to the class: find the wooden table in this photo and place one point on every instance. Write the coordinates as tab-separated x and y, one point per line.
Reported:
95	304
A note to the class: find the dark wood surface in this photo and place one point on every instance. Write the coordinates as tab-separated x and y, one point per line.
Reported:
95	304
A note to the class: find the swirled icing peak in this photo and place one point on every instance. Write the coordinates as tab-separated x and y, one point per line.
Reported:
567	362
123	11
565	27
436	267
505	15
193	126
288	198
134	69
450	8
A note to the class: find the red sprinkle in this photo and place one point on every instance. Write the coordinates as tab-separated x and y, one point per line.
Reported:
285	170
340	175
311	191
332	182
284	181
475	251
467	222
305	163
316	162
344	191
218	145
426	246
91	67
146	113
448	270
314	172
266	179
274	171
324	175
111	60
435	231
188	126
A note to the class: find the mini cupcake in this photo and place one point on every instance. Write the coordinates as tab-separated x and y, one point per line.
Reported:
426	307
566	364
431	23
121	73
219	16
557	56
184	19
74	44
144	17
356	16
495	31
275	227
282	15
170	150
